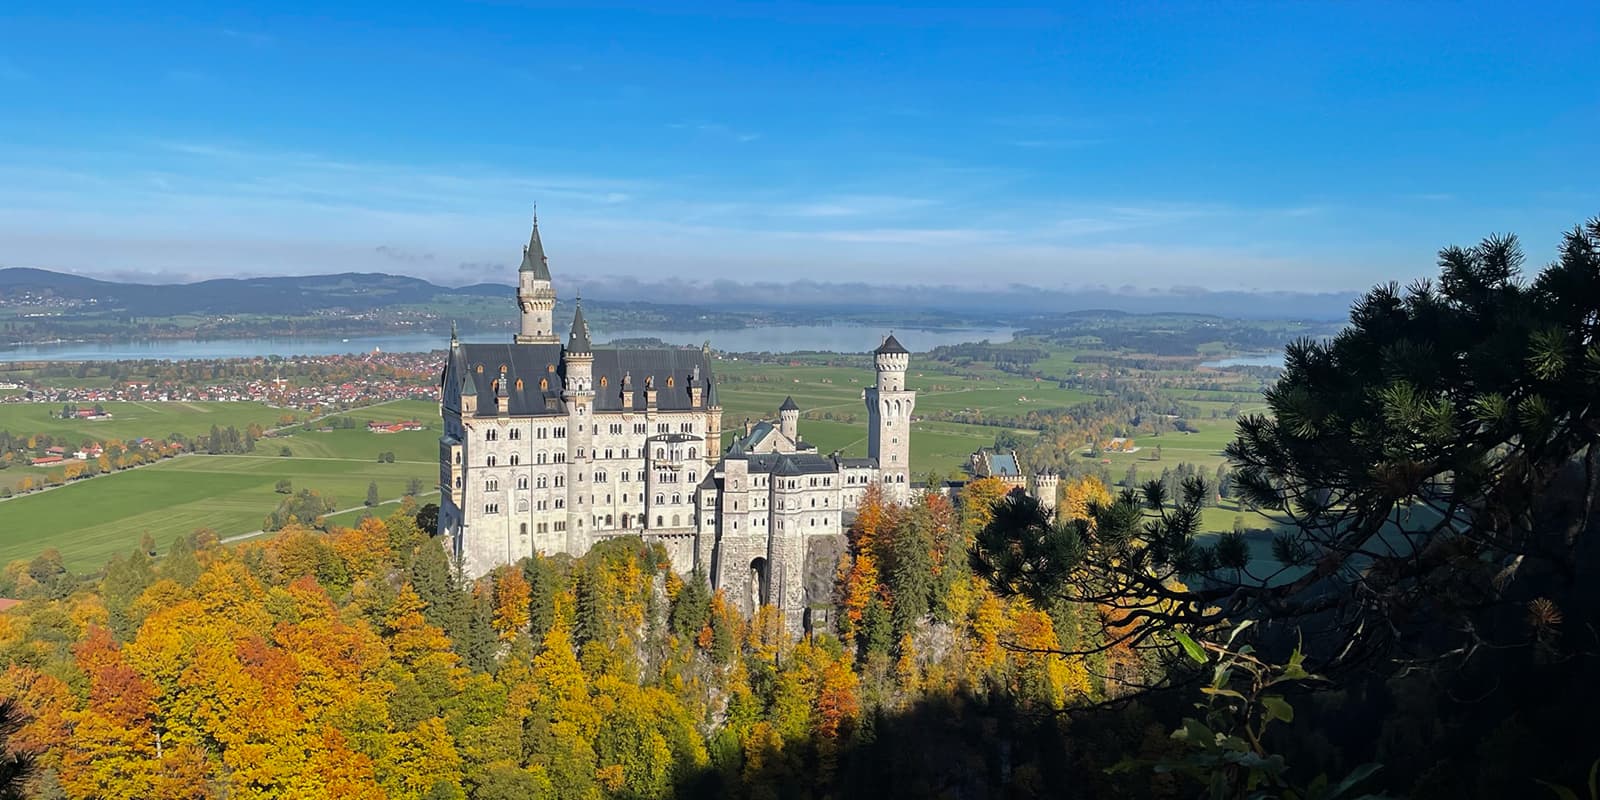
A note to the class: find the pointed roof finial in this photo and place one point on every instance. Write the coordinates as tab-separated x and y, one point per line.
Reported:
454	340
533	257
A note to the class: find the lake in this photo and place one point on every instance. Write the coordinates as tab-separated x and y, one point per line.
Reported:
1257	360
775	339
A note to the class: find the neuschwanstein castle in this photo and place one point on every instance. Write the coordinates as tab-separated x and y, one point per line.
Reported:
550	448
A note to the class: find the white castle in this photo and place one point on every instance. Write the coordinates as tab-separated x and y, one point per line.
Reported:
550	449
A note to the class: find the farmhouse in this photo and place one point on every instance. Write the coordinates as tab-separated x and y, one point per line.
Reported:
379	426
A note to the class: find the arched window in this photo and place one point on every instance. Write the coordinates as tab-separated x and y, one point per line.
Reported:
541	482
519	388
608	520
675	517
659	523
522	482
458	456
524	530
604	382
544	384
515	459
458	481
660	453
669	381
490	461
661	499
692	452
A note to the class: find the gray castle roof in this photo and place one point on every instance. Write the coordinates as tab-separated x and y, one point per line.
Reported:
668	369
578	340
789	405
533	258
792	464
891	345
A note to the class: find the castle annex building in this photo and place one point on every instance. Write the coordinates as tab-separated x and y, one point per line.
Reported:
551	447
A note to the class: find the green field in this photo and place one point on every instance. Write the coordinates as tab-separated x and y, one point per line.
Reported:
754	391
133	420
90	520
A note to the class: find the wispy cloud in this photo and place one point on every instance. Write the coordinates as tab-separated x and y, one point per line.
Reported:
715	129
908	236
859	205
1054	144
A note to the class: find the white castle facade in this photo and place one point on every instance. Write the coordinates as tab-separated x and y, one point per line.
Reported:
551	448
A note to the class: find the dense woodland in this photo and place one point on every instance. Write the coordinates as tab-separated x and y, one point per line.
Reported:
1424	624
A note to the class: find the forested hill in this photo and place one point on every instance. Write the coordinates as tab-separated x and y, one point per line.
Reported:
302	294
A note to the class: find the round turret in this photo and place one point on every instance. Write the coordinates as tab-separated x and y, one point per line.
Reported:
891	360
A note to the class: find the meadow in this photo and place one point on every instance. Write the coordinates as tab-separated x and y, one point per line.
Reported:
135	419
90	520
834	417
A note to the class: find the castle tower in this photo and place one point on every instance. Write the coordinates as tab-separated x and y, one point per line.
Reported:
1046	489
578	393
889	407
535	294
789	419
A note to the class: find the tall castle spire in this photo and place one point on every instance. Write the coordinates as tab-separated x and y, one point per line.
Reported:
533	257
536	297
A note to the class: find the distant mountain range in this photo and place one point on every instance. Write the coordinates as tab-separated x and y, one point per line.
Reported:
302	294
809	301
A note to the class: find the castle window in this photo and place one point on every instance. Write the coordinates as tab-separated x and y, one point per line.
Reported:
661	499
691	455
599	477
458	481
524	530
522	482
491	435
561	502
491	508
561	524
604	382
544	384
458	456
491	485
515	433
489	461
659	522
677	498
515	459
675	517
480	369
540	482
561	480
549	368
669	381
519	388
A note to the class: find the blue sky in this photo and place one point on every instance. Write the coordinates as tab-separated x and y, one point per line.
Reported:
1274	145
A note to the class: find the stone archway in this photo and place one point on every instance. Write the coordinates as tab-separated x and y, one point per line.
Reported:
757	584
